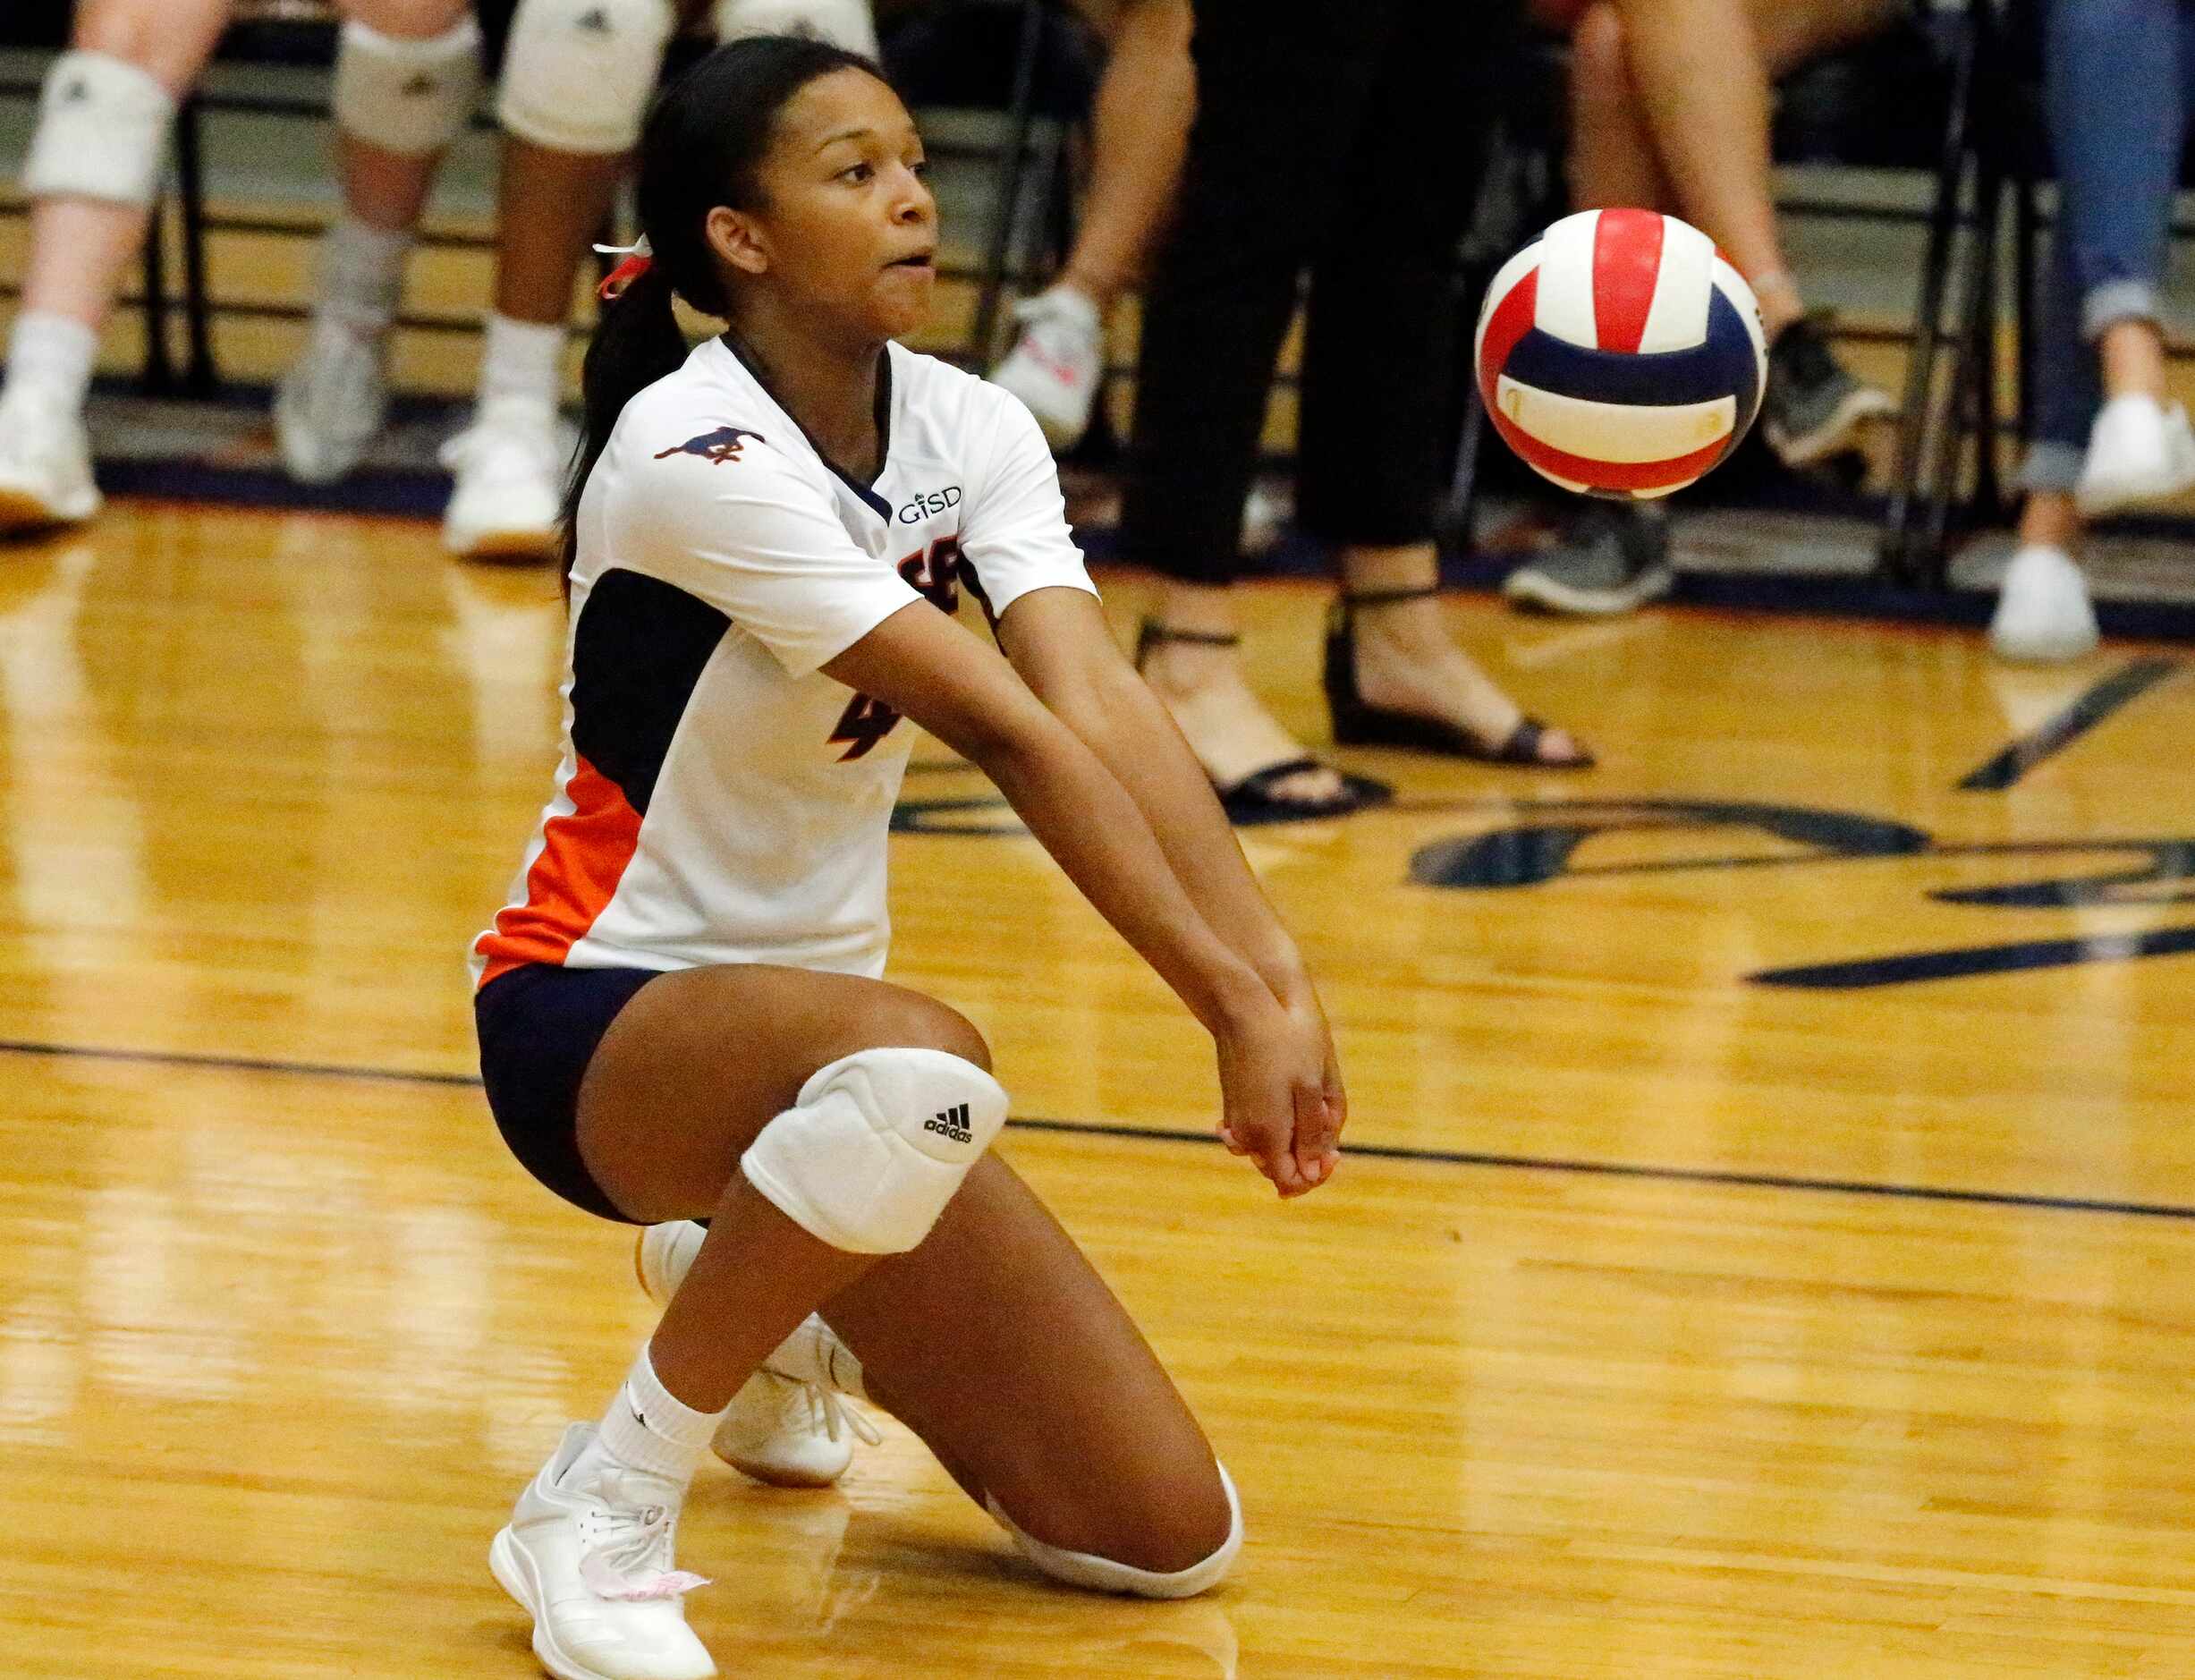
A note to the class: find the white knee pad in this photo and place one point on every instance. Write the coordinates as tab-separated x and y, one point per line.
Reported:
875	1147
102	132
410	98
1102	1574
846	23
577	73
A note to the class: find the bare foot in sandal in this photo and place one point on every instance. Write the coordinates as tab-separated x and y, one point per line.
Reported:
1394	678
1198	675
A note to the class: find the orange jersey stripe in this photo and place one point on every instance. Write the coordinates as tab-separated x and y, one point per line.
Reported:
583	857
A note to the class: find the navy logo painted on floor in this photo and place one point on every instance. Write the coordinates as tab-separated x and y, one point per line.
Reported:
1543	848
1540	847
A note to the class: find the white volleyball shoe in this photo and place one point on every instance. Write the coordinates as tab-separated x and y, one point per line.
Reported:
588	1553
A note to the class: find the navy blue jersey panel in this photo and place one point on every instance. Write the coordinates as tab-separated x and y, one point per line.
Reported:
640	649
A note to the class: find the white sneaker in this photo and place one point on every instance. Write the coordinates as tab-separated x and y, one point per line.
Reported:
2139	451
332	401
588	1553
509	465
2043	613
1264	514
45	467
1058	362
788	1425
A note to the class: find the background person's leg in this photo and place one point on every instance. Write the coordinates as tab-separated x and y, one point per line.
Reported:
93	173
1612	163
2113	92
1703	70
1279	94
81	244
1703	86
577	76
2112	88
407	77
2043	612
1379	371
1139	123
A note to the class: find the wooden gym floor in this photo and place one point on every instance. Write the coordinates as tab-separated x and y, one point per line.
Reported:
1767	1249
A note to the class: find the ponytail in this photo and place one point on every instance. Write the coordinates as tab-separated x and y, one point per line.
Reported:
703	146
637	340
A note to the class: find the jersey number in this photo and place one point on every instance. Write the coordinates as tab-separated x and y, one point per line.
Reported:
935	572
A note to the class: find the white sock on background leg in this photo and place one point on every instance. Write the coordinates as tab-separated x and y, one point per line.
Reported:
363	274
521	362
50	356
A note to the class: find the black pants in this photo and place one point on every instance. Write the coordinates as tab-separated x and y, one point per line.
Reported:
1348	137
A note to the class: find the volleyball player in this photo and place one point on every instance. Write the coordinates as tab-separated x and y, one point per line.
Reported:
679	1011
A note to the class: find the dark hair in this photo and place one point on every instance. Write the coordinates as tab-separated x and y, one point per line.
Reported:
703	146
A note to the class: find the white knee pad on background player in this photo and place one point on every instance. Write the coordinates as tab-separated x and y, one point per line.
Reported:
408	97
847	23
102	133
875	1147
1102	1574
577	74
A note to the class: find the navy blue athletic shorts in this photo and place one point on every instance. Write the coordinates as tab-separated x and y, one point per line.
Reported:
539	1027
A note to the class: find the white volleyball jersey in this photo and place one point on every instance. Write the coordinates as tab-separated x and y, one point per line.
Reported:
719	798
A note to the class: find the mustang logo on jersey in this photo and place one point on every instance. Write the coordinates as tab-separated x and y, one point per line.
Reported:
720	445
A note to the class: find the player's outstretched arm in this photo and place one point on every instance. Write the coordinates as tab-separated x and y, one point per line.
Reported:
1272	1060
1058	641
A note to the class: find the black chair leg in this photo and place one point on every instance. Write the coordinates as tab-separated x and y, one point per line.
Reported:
1989	501
2026	277
157	373
1896	558
1970	404
1021	118
200	374
1459	512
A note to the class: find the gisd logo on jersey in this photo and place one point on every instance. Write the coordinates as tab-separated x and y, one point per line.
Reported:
720	445
923	504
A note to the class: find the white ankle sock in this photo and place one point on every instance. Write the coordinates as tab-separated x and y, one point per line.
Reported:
361	274
51	355
651	1429
522	361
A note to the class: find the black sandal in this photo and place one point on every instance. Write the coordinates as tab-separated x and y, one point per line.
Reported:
1358	725
1251	802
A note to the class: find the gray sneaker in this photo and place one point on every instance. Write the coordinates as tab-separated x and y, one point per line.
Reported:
1611	560
1814	403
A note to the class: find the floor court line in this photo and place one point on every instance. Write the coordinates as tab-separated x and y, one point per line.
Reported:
1643	1171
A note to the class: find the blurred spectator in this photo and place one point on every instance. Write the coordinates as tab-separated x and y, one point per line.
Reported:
1327	138
2116	75
1670	107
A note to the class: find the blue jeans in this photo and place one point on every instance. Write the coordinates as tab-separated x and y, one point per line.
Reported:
2118	81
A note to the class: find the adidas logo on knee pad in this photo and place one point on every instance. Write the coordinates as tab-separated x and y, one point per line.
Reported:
953	1123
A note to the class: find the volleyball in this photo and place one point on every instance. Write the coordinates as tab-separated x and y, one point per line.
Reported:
1620	354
